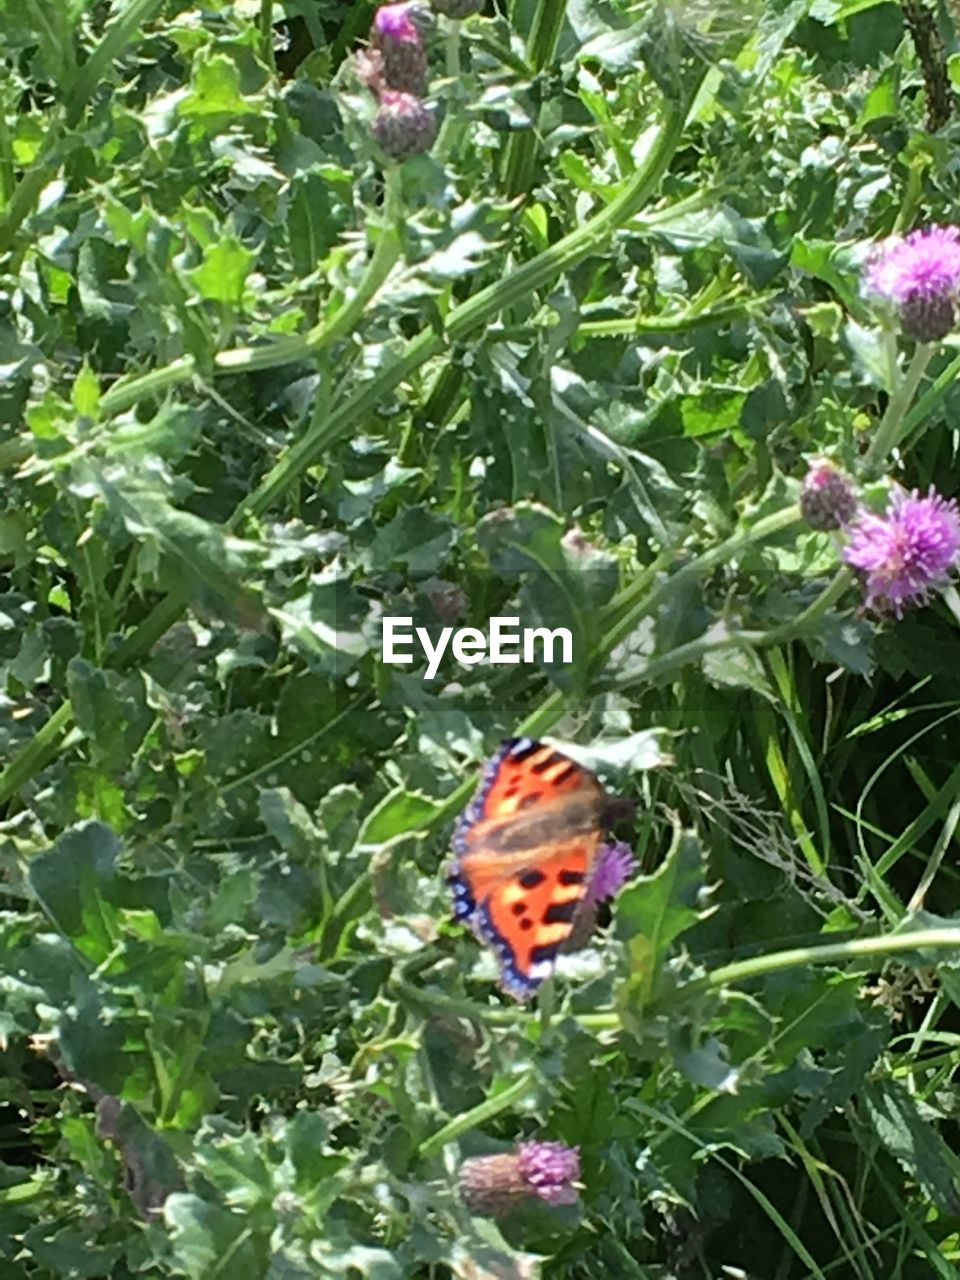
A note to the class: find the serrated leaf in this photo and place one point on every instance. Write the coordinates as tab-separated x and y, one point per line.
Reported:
903	1125
224	270
657	909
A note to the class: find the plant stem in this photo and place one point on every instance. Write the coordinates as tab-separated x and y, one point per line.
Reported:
446	143
936	858
266	34
477	1115
436	1002
130	391
693	651
632	610
810	616
27	193
38	752
856	948
888	433
918	416
521	150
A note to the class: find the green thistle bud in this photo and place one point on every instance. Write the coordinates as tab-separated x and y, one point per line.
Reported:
404	126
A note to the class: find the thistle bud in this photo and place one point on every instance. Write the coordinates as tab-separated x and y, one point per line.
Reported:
458	8
919	276
492	1185
397	35
404	126
927	317
827	499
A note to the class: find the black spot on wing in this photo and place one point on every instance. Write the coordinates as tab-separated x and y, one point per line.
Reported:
571	877
560	912
544	953
512	978
530	879
519	908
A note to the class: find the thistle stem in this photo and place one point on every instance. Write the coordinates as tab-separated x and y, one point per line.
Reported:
478	1115
521	150
450	132
888	433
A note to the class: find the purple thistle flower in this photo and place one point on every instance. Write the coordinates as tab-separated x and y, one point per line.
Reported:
614	866
827	498
492	1185
397	35
920	274
396	22
550	1169
907	553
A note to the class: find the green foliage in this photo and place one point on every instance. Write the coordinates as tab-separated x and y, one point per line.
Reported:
257	393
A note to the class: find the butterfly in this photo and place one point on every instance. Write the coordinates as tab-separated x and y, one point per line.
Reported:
524	849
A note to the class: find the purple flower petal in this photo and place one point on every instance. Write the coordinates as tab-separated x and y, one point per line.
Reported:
614	866
926	262
396	22
550	1169
909	552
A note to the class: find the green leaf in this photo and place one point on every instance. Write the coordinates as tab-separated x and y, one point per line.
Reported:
110	709
73	882
397	817
326	625
289	823
416	539
216	91
203	1233
86	393
904	1126
656	910
224	270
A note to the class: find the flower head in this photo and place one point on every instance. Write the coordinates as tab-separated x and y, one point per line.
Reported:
397	37
920	274
614	866
397	22
404	126
492	1185
907	553
827	499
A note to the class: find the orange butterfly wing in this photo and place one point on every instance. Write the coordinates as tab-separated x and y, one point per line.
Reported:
525	849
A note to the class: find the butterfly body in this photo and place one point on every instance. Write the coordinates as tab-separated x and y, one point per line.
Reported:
525	848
